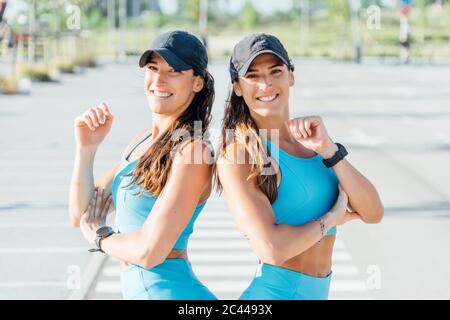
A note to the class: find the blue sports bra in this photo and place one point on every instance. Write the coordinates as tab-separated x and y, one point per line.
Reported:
308	189
131	210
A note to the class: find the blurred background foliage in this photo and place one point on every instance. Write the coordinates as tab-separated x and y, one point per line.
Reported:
309	28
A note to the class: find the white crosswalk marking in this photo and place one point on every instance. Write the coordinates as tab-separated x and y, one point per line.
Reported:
224	261
108	287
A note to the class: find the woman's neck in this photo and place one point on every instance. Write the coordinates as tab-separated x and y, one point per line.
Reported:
276	127
161	124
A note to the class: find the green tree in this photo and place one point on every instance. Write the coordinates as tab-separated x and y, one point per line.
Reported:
190	9
422	5
338	10
249	18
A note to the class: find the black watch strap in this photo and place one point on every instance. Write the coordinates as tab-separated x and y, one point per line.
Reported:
338	156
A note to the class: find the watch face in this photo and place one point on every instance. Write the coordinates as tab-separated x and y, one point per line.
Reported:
342	151
104	230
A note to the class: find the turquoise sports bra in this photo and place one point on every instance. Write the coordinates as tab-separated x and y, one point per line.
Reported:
307	189
131	210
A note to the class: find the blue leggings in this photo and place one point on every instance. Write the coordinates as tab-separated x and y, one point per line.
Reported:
277	283
171	280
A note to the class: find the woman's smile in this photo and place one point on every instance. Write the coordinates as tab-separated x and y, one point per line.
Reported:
268	98
161	94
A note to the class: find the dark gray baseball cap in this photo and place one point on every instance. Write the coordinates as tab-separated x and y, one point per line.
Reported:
180	49
247	49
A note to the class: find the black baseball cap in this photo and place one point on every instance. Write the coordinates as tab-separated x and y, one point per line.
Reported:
247	49
180	49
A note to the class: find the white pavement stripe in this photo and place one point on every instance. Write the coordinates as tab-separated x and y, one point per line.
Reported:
344	270
43	250
348	285
339	244
341	256
227	286
220	271
218	245
216	223
111	271
90	272
10	225
359	137
443	138
32	284
108	287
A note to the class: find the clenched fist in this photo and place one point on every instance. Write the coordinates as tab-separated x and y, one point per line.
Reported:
93	125
312	134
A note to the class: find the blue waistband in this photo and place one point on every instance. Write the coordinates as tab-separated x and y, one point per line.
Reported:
290	279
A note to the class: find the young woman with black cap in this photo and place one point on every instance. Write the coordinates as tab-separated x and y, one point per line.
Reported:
161	183
286	182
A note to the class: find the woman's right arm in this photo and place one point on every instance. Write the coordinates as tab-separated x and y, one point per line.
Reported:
82	184
252	212
91	129
88	137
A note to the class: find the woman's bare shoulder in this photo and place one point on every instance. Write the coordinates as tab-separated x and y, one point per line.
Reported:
136	138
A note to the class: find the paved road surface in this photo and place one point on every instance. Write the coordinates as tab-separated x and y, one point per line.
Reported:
393	119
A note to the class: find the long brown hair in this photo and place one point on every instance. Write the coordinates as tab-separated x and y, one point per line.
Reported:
244	131
154	166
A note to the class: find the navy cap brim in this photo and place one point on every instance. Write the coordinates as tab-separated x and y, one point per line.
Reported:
247	64
170	57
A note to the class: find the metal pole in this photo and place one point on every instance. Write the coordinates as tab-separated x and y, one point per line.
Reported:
354	8
305	9
122	24
111	24
155	16
136	19
32	32
203	21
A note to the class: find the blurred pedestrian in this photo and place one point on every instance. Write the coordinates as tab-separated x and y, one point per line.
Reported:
405	31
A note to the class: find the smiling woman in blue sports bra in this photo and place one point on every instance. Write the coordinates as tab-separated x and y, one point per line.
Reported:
162	181
285	180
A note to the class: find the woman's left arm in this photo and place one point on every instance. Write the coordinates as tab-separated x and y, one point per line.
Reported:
362	195
149	245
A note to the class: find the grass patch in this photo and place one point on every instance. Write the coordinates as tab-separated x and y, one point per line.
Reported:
8	85
39	72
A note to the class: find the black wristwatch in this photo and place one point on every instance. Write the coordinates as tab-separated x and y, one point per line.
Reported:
101	233
338	156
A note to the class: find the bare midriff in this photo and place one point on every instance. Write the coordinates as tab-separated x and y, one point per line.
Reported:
316	261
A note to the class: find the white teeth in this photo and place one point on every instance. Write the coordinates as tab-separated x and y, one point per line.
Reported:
162	94
268	98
